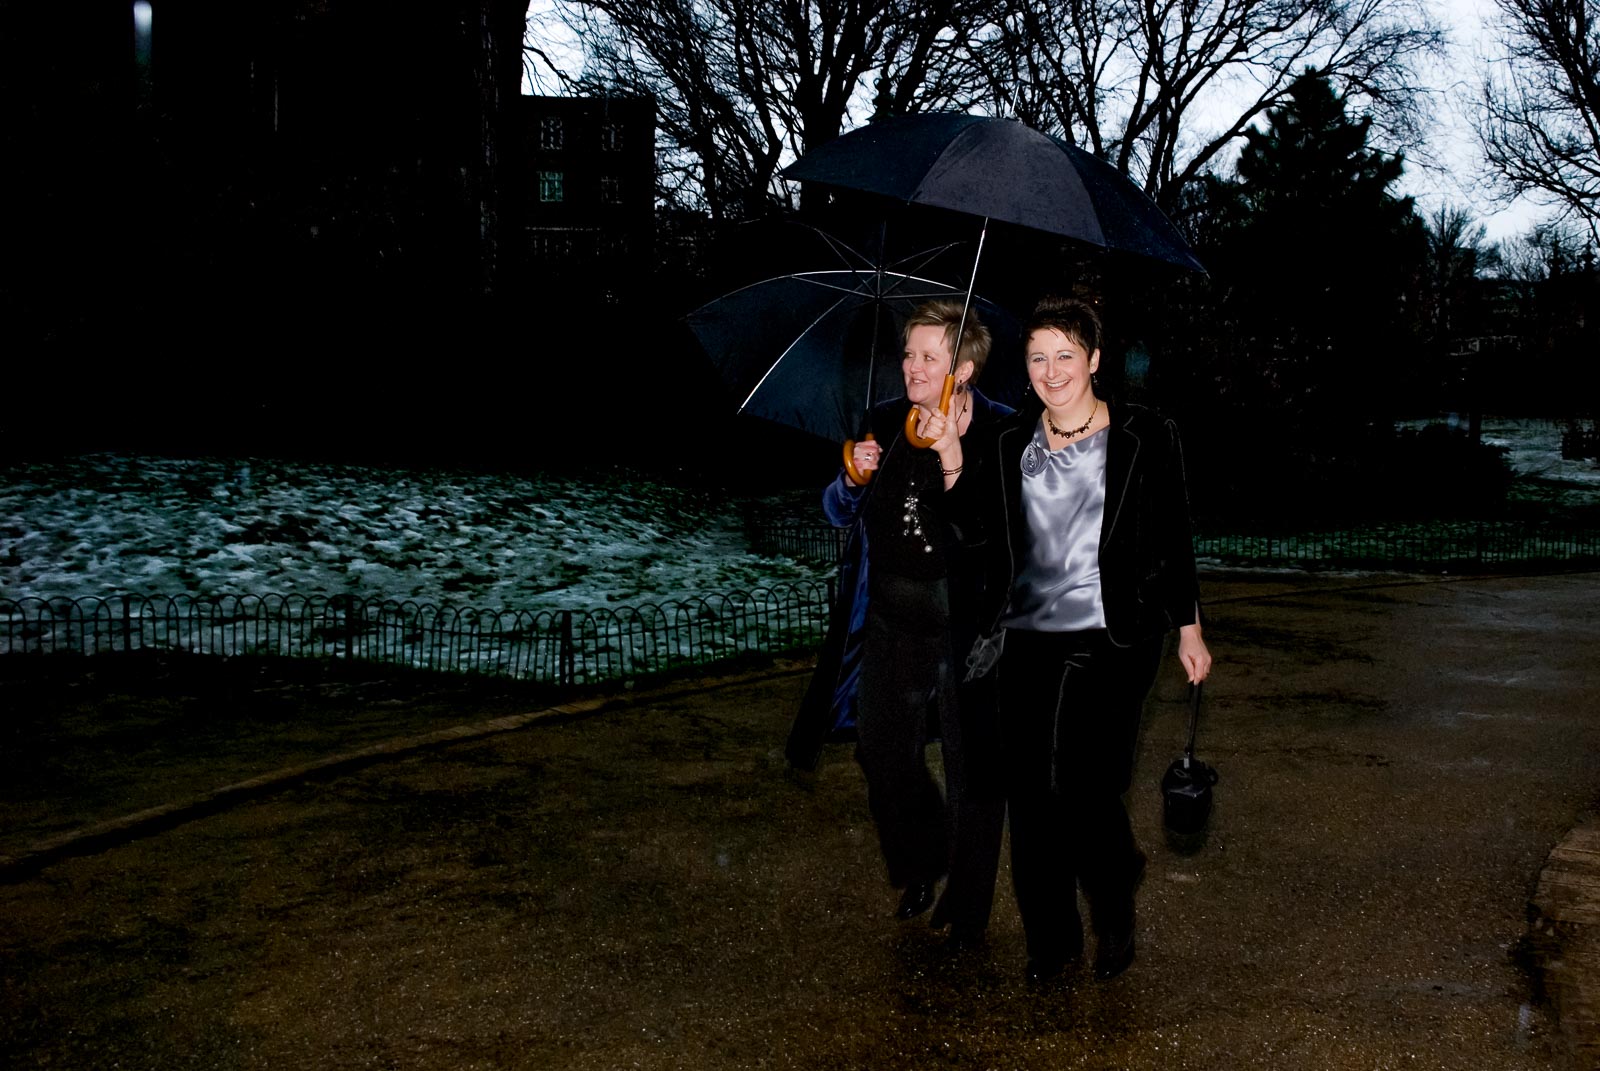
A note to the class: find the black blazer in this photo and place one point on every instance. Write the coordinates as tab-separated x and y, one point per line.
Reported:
1147	575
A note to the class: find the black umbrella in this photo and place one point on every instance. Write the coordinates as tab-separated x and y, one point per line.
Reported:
816	350
997	169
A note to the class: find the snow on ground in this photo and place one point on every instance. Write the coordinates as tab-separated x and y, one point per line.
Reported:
107	523
1533	449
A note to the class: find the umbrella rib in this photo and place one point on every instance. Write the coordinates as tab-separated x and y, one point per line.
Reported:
835	244
786	351
815	279
927	257
947	291
810	277
856	291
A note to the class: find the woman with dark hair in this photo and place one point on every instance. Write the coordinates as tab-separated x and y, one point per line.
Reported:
1082	516
898	633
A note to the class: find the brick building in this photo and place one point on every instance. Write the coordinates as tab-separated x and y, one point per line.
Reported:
590	181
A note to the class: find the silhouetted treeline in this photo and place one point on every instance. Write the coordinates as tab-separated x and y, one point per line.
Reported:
297	227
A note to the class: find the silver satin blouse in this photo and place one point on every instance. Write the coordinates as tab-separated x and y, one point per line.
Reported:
1064	501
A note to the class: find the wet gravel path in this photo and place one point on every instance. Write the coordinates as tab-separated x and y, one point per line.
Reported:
648	887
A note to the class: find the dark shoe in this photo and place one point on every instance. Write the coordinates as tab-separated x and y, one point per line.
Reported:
917	898
1047	968
1044	971
1113	953
1114	927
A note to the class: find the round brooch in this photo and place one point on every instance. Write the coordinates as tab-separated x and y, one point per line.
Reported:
1033	459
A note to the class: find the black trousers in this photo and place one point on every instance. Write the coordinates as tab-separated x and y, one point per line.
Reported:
1070	704
906	665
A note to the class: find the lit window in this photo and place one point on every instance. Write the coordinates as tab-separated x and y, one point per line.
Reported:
611	137
551	133
610	190
551	186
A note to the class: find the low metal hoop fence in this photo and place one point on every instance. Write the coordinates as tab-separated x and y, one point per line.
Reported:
1443	546
1434	547
576	647
807	540
564	647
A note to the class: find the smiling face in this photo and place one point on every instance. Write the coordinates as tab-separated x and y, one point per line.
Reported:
1059	368
925	364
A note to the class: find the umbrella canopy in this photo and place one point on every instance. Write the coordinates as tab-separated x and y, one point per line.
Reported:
999	169
816	350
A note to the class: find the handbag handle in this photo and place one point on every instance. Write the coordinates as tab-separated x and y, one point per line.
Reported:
1194	721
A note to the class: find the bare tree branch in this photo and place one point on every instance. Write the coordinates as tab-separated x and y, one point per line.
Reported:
1162	87
1539	109
742	86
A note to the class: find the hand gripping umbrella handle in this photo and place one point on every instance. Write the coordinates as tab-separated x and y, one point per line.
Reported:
857	477
944	407
961	330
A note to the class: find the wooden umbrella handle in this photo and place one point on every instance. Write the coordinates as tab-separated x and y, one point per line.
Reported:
857	477
944	407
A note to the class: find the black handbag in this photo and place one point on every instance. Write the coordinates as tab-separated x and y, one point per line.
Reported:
1186	786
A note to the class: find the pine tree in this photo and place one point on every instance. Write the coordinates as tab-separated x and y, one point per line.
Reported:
1314	266
1324	257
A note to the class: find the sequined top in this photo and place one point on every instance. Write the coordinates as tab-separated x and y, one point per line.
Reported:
907	536
1064	502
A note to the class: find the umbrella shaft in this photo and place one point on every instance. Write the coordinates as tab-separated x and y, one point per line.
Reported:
966	306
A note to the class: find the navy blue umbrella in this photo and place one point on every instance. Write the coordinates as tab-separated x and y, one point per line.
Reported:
998	169
816	350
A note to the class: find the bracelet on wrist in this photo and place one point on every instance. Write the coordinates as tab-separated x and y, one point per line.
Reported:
950	472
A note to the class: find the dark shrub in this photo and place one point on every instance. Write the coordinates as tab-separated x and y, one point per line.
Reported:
1580	440
1281	474
1439	471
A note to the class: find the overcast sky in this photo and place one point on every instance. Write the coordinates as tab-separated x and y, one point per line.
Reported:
1457	87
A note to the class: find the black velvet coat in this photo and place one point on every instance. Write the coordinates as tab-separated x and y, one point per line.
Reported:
1147	574
827	712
